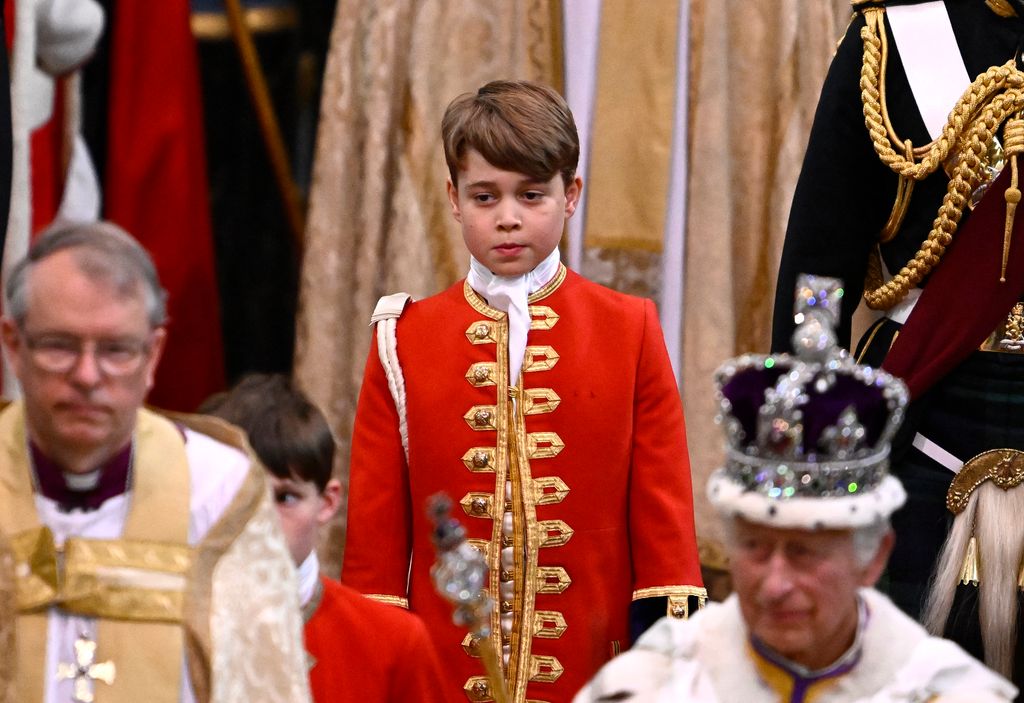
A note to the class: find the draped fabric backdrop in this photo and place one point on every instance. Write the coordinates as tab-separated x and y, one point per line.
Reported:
723	160
755	73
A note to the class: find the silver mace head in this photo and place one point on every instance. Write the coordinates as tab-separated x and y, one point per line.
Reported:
460	572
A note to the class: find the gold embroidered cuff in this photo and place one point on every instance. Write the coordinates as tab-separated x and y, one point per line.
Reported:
678	598
390	600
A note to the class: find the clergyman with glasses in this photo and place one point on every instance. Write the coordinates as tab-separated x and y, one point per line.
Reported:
140	558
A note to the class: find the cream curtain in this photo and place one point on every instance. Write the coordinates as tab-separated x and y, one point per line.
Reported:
756	69
379	222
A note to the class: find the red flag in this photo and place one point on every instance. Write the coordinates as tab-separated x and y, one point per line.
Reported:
156	186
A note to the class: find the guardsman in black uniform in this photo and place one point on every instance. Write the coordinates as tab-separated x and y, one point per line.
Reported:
909	193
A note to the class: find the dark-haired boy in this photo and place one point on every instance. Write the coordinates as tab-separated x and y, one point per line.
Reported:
543	404
360	651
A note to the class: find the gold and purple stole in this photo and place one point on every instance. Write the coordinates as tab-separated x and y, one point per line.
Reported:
134	587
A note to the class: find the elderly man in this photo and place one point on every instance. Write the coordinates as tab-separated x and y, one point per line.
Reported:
140	559
807	497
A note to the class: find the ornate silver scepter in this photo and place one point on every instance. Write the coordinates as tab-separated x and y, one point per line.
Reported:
460	574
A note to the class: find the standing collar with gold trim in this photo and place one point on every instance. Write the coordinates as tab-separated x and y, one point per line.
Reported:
481	306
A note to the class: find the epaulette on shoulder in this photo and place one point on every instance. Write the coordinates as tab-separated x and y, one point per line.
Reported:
389	307
385	316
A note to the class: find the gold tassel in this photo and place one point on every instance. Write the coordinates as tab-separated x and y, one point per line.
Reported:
1014	137
969	571
1020	579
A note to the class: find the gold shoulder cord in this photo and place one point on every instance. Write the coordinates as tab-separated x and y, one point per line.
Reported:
968	135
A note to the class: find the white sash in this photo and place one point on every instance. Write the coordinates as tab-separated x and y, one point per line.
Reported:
931	59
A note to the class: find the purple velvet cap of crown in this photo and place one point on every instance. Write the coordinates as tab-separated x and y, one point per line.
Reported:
745	392
808	434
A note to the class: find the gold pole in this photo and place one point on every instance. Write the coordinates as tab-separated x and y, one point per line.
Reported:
493	668
269	128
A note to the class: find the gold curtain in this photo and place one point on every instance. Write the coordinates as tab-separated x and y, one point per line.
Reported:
755	73
631	141
378	220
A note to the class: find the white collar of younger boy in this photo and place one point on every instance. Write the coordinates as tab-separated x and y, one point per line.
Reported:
309	577
510	294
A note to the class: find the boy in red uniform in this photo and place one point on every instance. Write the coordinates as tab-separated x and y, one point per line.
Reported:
543	404
359	650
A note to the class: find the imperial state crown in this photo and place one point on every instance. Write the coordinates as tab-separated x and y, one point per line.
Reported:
808	434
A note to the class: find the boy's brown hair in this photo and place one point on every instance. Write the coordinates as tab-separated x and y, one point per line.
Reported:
288	433
515	125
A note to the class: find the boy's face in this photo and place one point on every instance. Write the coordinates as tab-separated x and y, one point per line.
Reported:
303	509
510	221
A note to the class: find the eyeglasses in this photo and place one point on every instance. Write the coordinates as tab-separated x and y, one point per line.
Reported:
56	353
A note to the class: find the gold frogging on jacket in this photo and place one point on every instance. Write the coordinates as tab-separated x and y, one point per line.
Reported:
1004	468
509	459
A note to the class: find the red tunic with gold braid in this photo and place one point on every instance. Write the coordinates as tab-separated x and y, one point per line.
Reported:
366	652
593	444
